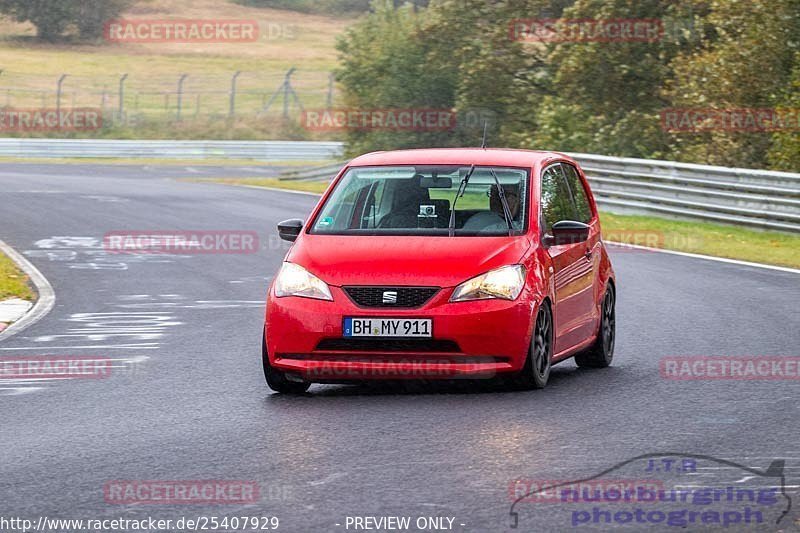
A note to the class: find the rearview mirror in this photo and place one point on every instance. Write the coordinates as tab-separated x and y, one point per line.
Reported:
429	182
568	232
288	230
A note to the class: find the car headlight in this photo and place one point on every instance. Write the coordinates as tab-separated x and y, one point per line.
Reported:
505	283
294	280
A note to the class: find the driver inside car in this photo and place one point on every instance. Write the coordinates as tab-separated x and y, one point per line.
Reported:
494	219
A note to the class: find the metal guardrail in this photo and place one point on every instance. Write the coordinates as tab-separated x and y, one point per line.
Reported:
320	173
753	198
158	149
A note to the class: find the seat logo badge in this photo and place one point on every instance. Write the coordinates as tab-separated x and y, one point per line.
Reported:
390	297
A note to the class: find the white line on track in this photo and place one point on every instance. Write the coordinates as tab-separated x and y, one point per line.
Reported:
706	257
290	191
44	348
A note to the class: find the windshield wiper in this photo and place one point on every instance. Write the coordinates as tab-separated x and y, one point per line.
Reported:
451	226
502	194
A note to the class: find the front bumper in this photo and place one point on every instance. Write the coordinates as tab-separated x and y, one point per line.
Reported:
471	340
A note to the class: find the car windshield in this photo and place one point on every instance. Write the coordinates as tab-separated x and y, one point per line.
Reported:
418	200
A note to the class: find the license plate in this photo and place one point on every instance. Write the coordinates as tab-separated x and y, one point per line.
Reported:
388	327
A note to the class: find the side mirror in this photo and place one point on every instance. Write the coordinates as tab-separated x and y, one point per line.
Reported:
568	232
288	230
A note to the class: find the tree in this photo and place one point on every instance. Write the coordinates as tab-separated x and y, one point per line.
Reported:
455	55
385	65
50	18
606	95
496	77
784	152
745	62
53	18
91	16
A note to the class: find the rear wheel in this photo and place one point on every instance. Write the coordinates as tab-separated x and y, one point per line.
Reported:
536	371
600	354
276	379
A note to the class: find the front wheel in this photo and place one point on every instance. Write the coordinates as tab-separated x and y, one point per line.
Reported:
276	379
536	371
600	354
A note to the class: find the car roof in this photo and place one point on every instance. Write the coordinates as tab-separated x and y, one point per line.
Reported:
460	156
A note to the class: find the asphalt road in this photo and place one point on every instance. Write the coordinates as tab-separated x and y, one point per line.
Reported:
186	398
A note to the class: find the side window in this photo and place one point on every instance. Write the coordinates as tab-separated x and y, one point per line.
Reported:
583	211
556	200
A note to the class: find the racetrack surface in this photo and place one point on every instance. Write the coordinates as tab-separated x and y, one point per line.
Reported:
186	399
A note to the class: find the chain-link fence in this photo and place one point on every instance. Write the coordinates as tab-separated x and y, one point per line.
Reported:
127	99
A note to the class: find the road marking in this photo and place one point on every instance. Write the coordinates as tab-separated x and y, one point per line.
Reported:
327	479
100	198
16	391
70	248
18	386
198	304
137	346
144	326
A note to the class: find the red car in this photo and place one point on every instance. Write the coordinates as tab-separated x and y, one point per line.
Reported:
442	263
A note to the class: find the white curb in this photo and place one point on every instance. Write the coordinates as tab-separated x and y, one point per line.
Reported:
12	309
47	297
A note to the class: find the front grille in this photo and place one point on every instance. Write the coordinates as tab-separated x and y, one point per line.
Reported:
388	345
408	297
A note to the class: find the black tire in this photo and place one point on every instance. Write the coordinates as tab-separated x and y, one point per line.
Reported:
601	353
536	372
276	379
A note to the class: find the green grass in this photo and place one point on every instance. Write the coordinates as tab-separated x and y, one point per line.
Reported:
13	283
273	183
719	240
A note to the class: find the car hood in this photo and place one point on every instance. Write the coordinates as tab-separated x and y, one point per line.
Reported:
395	260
